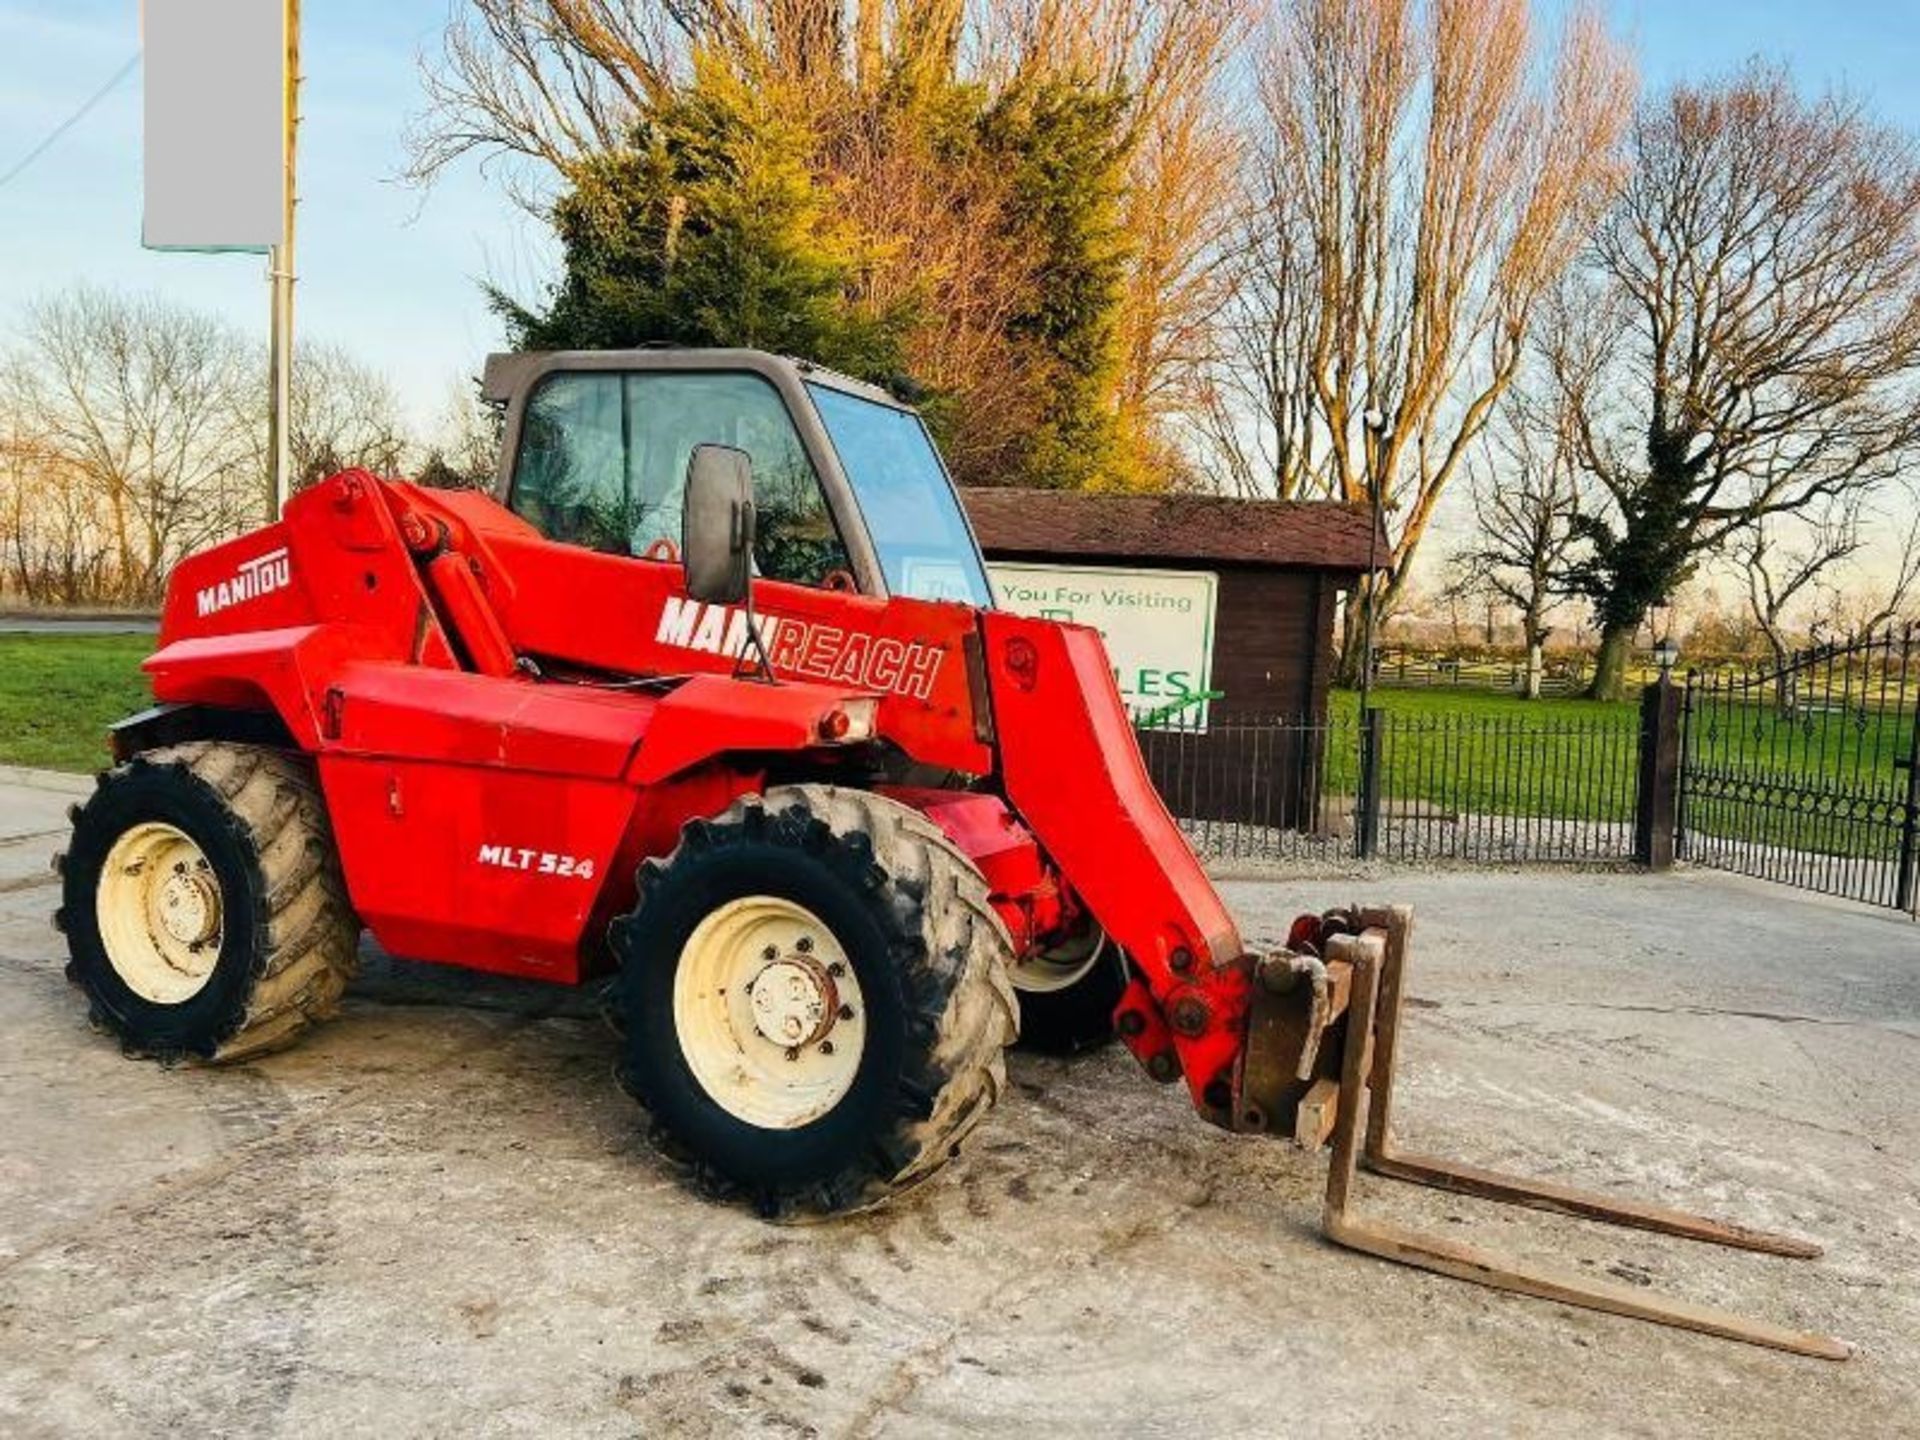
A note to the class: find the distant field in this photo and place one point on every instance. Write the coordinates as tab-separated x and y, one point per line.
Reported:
58	694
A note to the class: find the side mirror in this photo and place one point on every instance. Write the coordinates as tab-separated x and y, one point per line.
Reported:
716	525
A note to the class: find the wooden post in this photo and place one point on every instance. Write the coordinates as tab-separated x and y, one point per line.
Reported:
1657	814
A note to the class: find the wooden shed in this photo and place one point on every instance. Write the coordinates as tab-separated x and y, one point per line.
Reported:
1271	574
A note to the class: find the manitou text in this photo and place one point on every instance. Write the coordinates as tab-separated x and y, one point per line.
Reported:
259	576
798	647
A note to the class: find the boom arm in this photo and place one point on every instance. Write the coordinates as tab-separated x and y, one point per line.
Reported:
1072	770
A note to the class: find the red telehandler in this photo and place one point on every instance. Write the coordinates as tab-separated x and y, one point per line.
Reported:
710	703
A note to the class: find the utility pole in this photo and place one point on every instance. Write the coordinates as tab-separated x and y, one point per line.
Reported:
1379	432
280	276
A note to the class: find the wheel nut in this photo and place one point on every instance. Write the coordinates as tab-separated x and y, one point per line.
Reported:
772	952
836	969
846	1012
826	1047
804	944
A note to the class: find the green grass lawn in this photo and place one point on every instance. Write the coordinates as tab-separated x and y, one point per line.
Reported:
58	694
1486	704
1478	752
1820	777
1854	747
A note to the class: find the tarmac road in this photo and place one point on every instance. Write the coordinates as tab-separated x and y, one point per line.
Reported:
439	1216
76	625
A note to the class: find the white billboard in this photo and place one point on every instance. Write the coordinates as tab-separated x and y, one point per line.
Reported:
1158	625
215	102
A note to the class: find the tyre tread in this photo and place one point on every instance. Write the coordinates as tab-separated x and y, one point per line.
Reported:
956	963
306	937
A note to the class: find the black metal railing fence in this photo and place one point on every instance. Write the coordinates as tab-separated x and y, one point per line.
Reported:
1808	771
1380	784
1805	772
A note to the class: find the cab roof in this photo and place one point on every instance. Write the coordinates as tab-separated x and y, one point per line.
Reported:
511	373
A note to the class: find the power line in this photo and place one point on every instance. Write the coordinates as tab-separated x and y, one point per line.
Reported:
74	119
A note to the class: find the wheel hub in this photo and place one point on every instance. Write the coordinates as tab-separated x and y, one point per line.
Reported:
160	912
189	907
769	1012
795	1001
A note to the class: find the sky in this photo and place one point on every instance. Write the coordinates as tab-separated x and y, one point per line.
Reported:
396	274
390	272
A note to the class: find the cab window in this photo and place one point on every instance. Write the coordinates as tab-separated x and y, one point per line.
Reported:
603	463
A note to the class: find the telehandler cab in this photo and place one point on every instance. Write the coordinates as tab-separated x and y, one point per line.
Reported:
710	702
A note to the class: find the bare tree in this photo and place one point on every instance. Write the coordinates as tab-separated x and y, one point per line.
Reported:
1526	501
1177	62
463	450
345	416
1883	580
53	548
1746	341
152	406
1893	599
1784	574
539	84
1415	190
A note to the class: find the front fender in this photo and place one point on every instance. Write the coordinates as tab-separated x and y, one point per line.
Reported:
284	671
175	724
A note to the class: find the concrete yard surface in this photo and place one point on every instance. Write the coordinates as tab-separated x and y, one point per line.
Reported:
439	1215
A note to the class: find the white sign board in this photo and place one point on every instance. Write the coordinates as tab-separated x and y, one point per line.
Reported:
1158	625
215	101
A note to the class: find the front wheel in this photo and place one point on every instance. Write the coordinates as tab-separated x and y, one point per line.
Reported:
816	997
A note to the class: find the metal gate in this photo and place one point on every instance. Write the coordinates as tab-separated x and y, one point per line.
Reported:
1808	772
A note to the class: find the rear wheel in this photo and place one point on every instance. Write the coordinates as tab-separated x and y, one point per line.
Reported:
1068	994
815	994
203	905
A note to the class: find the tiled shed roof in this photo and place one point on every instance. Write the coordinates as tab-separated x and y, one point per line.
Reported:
1020	524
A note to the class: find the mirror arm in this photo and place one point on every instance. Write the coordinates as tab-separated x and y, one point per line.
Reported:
744	530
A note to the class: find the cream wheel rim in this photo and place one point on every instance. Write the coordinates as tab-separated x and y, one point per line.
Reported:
160	913
1047	971
769	1013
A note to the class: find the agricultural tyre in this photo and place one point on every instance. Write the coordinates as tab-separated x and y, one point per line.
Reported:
202	903
815	997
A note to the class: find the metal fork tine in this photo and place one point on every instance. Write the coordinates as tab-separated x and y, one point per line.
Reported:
1378	958
1470	1263
1564	1199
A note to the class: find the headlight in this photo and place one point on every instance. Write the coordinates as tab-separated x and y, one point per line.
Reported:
849	722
